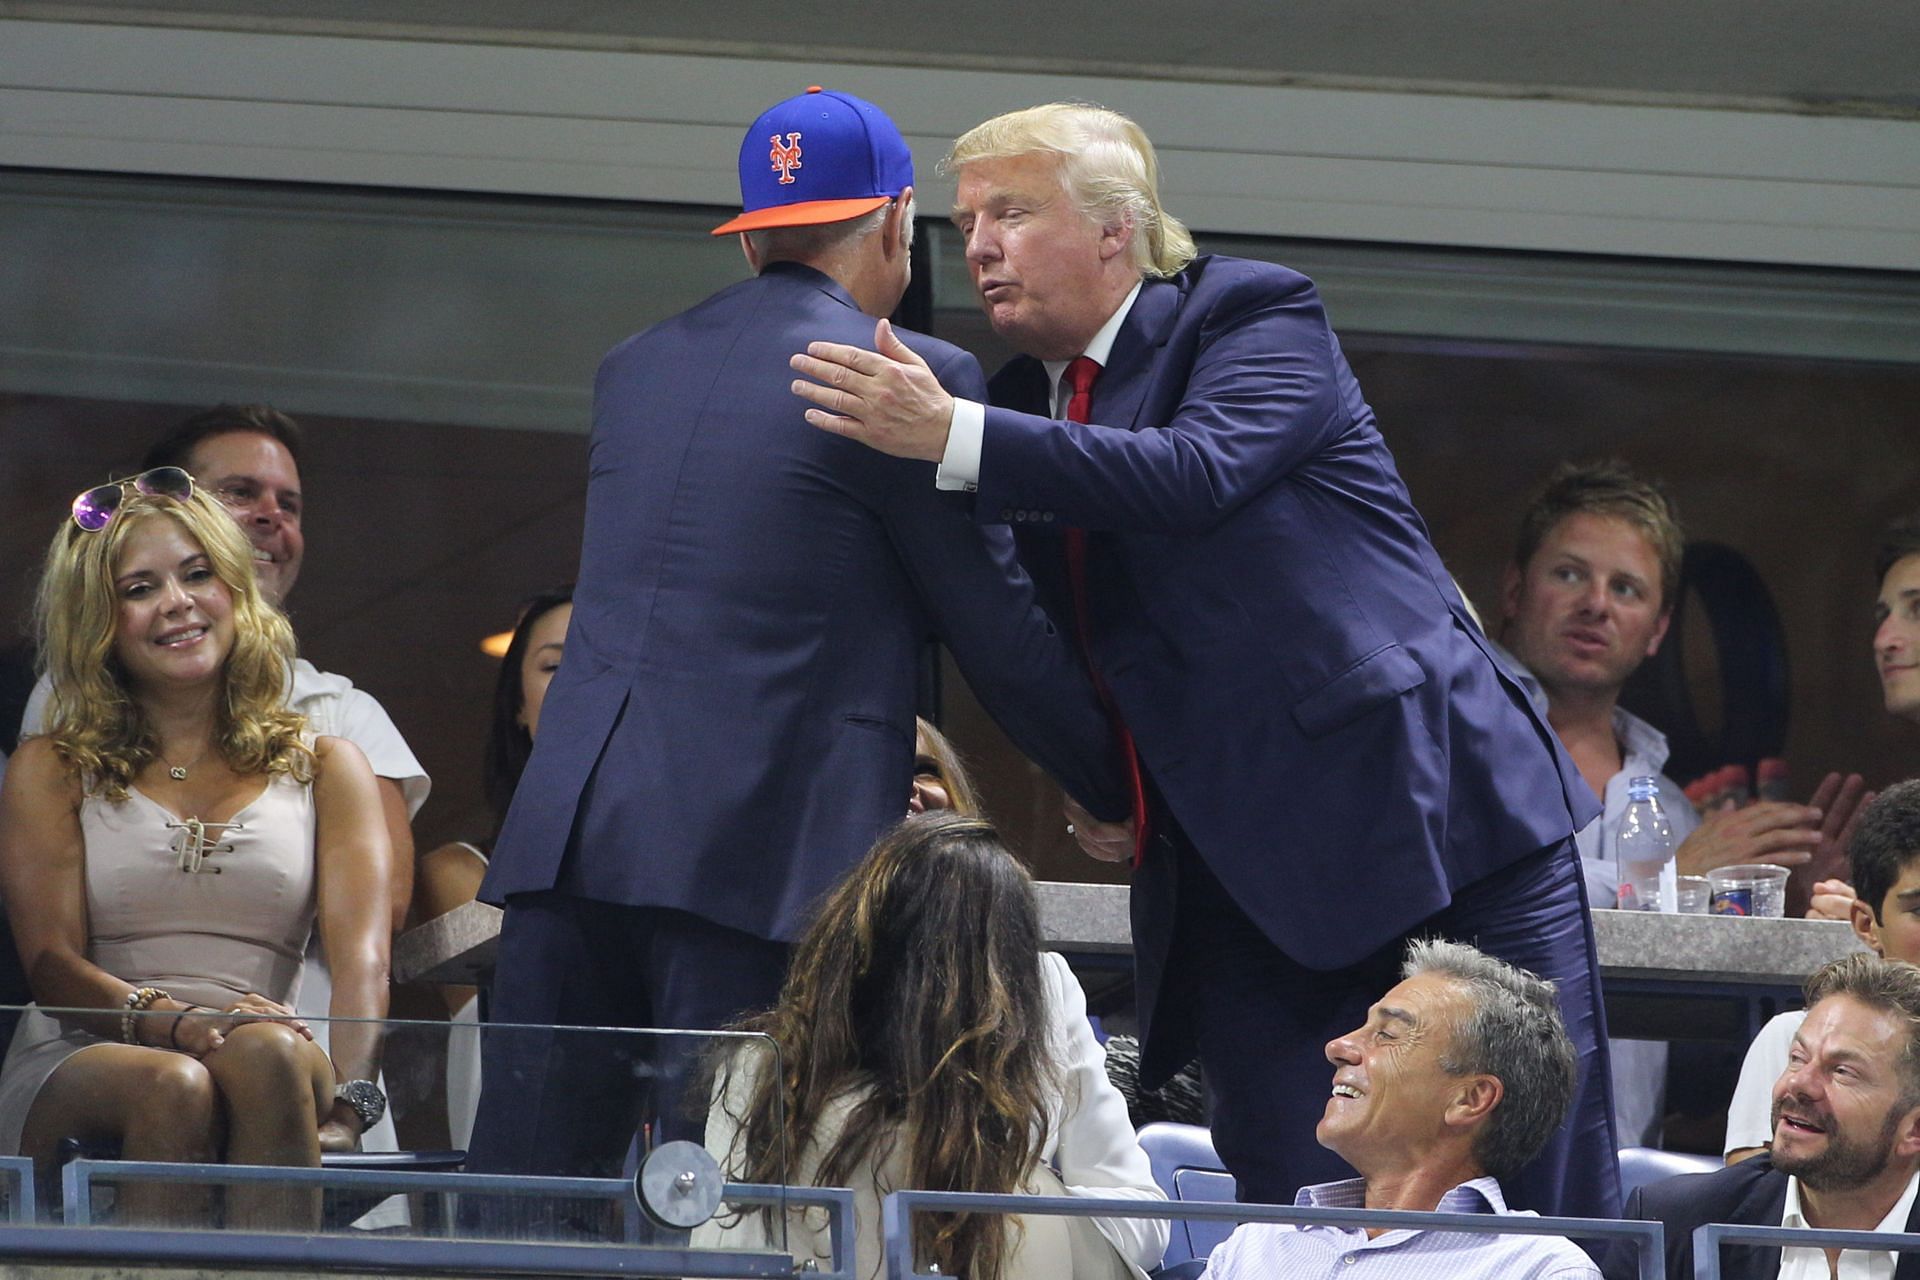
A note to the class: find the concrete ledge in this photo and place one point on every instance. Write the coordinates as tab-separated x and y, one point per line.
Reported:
1092	919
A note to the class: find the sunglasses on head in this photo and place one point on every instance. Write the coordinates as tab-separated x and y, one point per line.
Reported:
93	509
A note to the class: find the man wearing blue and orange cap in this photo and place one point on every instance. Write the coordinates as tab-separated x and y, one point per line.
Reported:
734	721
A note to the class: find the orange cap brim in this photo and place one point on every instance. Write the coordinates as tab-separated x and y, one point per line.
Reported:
809	213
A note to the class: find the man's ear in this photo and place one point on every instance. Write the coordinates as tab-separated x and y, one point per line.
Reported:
752	256
1474	1099
1116	238
897	238
1906	1140
1860	916
1510	579
1659	632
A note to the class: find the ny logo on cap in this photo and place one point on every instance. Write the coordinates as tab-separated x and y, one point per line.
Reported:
786	158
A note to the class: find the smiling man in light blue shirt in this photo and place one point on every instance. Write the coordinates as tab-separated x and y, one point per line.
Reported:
1456	1080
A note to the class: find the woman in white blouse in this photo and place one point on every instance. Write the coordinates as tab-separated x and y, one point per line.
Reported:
926	1042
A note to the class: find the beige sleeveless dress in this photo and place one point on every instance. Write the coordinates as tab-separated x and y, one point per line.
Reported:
206	916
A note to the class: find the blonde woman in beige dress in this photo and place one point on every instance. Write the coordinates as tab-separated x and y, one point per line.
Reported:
166	847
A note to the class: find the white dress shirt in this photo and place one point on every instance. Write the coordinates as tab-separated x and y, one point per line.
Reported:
960	466
1855	1264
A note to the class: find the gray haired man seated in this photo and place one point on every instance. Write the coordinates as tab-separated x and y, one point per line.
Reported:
1457	1079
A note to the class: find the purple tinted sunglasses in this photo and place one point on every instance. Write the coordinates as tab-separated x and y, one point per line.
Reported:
93	509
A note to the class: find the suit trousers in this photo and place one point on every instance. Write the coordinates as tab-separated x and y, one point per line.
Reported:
556	1099
1260	1021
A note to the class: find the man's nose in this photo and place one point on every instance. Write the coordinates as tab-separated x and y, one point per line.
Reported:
1887	638
1801	1083
981	246
1341	1049
265	510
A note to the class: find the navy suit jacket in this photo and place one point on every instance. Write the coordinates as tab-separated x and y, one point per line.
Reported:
1752	1193
732	725
1299	673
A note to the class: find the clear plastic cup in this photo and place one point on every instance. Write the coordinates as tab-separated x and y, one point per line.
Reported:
1748	890
1693	893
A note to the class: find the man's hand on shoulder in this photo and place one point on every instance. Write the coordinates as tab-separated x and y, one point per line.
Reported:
887	398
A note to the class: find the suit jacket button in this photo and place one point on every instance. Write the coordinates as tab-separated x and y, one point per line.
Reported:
1006	513
1046	517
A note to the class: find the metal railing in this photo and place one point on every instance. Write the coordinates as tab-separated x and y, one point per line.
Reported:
897	1210
479	1257
16	1172
1708	1239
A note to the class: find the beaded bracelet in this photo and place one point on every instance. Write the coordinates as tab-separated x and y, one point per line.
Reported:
139	1000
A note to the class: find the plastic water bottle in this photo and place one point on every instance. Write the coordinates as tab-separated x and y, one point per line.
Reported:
1643	847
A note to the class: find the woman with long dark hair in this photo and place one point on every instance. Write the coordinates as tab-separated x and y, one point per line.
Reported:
927	1042
450	875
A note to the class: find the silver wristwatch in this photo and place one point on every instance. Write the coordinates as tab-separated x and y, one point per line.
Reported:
366	1099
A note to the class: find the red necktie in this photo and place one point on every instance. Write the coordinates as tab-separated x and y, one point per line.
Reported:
1080	376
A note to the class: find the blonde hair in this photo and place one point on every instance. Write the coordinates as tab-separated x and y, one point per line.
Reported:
1107	167
96	724
962	797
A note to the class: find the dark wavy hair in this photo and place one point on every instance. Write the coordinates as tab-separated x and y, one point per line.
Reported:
1898	541
508	742
917	995
176	448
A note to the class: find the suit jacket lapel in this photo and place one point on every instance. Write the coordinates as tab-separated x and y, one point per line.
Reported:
1763	1206
1122	388
1907	1266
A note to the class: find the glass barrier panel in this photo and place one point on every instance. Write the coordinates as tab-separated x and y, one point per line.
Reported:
208	1120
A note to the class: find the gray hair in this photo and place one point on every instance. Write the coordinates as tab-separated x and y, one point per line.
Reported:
822	239
1514	1033
1888	986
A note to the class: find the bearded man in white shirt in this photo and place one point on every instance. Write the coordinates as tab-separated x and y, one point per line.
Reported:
1845	1154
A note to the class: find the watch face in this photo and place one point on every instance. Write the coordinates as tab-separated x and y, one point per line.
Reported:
365	1098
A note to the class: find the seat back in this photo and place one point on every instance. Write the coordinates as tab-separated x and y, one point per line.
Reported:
1186	1167
1642	1165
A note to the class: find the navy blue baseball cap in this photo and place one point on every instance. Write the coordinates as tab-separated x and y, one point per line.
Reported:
820	157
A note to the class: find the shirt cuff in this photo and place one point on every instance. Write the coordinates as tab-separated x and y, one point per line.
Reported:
960	465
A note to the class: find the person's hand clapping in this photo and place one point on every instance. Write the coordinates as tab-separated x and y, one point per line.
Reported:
1771	831
1832	900
1840	799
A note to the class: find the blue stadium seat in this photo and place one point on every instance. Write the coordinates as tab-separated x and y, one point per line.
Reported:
1186	1167
1641	1165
